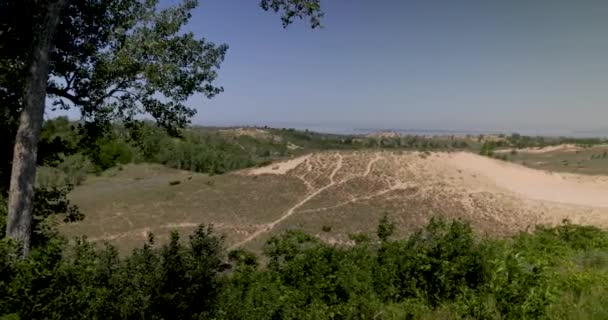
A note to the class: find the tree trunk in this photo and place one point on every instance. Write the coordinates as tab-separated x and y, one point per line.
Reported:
23	174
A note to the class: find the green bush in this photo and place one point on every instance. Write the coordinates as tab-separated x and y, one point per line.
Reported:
67	170
176	281
111	152
442	271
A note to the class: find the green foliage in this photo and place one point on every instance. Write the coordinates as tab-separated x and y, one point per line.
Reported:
521	141
71	150
442	271
291	9
175	281
116	59
66	171
385	228
112	152
48	204
434	264
202	153
487	149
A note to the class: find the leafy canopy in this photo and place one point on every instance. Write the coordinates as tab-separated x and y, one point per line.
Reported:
116	59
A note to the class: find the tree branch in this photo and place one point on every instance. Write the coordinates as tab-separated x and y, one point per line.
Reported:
120	87
63	93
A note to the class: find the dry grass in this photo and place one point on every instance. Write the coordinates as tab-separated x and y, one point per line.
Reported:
124	208
347	192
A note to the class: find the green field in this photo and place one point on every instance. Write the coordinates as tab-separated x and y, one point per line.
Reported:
590	160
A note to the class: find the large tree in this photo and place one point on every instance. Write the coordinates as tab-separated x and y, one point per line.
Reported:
35	76
111	59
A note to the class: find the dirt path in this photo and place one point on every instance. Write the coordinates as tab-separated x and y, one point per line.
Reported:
397	186
370	165
497	197
269	226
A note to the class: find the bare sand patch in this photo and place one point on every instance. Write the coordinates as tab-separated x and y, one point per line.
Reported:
292	146
346	191
279	167
560	148
536	184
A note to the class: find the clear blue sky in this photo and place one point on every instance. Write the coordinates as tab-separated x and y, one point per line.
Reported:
442	64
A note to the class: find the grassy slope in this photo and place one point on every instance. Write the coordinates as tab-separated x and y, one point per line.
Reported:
331	196
585	161
124	207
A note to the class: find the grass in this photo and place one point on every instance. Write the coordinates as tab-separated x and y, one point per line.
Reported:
584	161
127	205
124	206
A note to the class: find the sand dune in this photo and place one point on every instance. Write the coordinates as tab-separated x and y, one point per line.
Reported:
536	184
526	182
347	191
512	195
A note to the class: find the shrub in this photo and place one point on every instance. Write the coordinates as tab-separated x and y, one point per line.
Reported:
111	152
68	170
385	228
176	281
440	271
434	263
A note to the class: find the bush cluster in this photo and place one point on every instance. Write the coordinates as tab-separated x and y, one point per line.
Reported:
70	151
441	271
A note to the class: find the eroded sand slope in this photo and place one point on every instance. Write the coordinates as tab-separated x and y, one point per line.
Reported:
498	197
334	194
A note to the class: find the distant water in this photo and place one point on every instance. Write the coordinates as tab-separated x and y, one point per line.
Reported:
363	130
437	132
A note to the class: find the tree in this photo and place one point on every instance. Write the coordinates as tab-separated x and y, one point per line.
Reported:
111	59
116	59
21	192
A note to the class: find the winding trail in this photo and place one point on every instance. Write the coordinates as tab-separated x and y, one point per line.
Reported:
370	165
398	186
497	197
316	191
269	226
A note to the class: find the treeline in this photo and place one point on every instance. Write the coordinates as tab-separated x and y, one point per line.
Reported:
314	140
522	141
69	151
442	271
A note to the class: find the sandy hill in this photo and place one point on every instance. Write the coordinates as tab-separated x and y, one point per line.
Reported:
335	194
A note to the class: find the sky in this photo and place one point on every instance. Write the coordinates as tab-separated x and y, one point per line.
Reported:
432	64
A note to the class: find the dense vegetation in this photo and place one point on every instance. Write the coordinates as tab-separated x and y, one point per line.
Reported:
68	150
521	141
113	60
488	147
443	271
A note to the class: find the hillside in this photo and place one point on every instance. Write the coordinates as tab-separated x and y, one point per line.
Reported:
333	195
